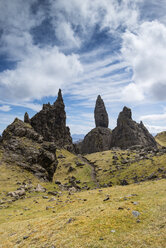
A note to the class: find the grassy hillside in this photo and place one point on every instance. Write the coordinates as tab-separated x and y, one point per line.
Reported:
95	218
72	166
126	167
161	138
119	216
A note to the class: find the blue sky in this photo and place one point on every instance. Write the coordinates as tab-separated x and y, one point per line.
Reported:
113	48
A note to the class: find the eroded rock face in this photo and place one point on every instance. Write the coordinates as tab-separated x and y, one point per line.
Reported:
26	148
97	140
50	122
100	113
128	133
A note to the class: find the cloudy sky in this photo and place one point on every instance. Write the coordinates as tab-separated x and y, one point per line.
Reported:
115	48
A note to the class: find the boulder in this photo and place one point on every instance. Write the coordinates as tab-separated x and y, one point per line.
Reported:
100	113
50	122
97	140
128	133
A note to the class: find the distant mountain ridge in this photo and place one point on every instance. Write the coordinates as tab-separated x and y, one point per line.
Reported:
77	137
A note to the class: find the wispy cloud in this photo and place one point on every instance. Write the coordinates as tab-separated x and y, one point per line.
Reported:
5	108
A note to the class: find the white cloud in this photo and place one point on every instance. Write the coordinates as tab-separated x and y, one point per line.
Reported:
156	129
145	51
65	34
16	21
40	74
156	117
5	108
76	20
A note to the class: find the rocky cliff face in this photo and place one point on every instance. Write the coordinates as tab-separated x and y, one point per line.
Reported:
50	122
27	149
129	133
100	113
97	140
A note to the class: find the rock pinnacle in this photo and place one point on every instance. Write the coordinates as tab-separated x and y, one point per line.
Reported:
100	113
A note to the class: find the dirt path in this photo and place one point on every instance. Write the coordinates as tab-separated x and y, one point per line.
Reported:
93	172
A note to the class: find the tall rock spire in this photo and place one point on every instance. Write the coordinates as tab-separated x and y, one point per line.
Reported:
100	113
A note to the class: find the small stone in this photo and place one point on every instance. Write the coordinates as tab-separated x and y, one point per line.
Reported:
106	199
52	199
57	182
135	203
40	188
49	207
138	221
101	238
25	237
113	231
61	156
120	208
135	213
70	220
45	197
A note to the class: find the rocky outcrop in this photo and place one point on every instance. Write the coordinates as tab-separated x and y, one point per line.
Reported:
100	113
128	133
27	149
50	122
97	140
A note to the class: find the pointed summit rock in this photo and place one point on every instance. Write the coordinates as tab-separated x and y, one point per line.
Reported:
50	122
26	118
128	133
59	98
100	113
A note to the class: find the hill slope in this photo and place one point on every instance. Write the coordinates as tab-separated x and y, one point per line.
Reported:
48	215
161	138
94	218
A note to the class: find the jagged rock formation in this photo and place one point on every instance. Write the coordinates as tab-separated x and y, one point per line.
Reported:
50	122
26	148
128	133
97	140
26	118
100	113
